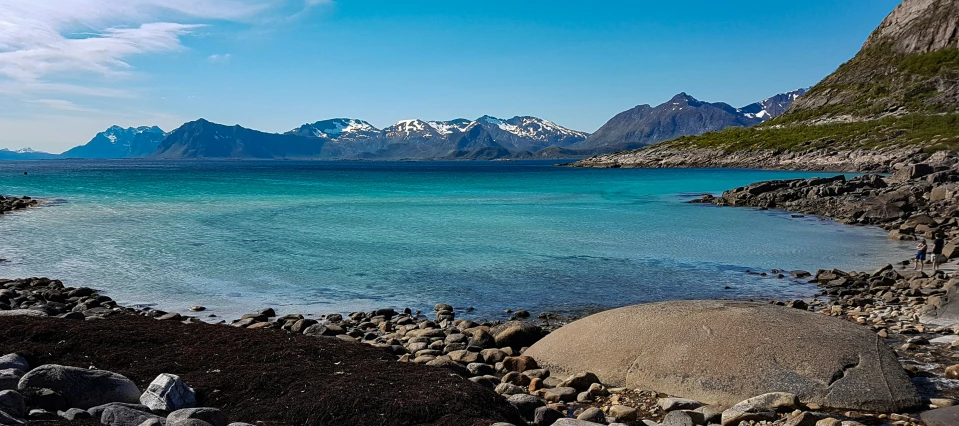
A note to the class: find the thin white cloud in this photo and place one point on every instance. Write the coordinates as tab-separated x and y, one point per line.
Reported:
43	39
218	58
62	105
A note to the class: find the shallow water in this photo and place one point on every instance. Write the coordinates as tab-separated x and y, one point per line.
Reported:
322	237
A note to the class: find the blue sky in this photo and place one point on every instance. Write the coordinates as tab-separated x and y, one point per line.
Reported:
71	68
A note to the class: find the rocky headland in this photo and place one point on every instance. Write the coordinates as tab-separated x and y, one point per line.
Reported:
886	160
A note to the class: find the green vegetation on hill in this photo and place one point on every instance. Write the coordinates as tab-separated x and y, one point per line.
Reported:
878	99
932	132
879	81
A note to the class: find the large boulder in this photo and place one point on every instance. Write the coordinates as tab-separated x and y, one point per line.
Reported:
723	352
914	171
82	388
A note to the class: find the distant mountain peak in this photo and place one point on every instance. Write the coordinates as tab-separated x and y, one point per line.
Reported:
119	142
682	115
335	128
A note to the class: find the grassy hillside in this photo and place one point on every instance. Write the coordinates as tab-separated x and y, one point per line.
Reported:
933	132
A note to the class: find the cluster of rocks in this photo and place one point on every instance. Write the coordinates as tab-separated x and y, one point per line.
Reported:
9	204
918	201
677	155
46	297
56	392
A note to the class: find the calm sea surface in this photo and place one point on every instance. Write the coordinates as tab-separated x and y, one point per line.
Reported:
323	237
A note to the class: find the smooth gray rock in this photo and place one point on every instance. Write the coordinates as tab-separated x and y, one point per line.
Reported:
97	411
189	422
239	424
82	388
678	418
762	407
592	414
212	416
526	404
10	378
12	403
119	415
75	414
670	404
41	414
722	352
545	416
154	422
564	394
509	389
948	416
168	393
14	361
576	422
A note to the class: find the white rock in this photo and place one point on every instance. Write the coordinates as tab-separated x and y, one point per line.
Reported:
14	361
168	393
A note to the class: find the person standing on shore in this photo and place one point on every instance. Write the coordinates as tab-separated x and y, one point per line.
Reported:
937	257
921	255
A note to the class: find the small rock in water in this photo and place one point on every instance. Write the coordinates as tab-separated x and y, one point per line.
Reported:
197	308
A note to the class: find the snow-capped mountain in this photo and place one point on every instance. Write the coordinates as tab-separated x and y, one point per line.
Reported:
417	138
529	133
771	107
25	154
337	128
452	126
119	142
411	130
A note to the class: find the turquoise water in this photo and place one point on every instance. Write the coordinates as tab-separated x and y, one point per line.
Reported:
322	237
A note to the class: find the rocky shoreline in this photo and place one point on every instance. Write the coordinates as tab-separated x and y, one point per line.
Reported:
9	204
885	160
893	302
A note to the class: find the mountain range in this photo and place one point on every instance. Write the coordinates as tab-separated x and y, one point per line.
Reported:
485	138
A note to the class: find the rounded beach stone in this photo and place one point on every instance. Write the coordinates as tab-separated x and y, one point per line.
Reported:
119	415
592	414
516	334
212	416
544	416
526	404
578	422
14	361
80	387
723	352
